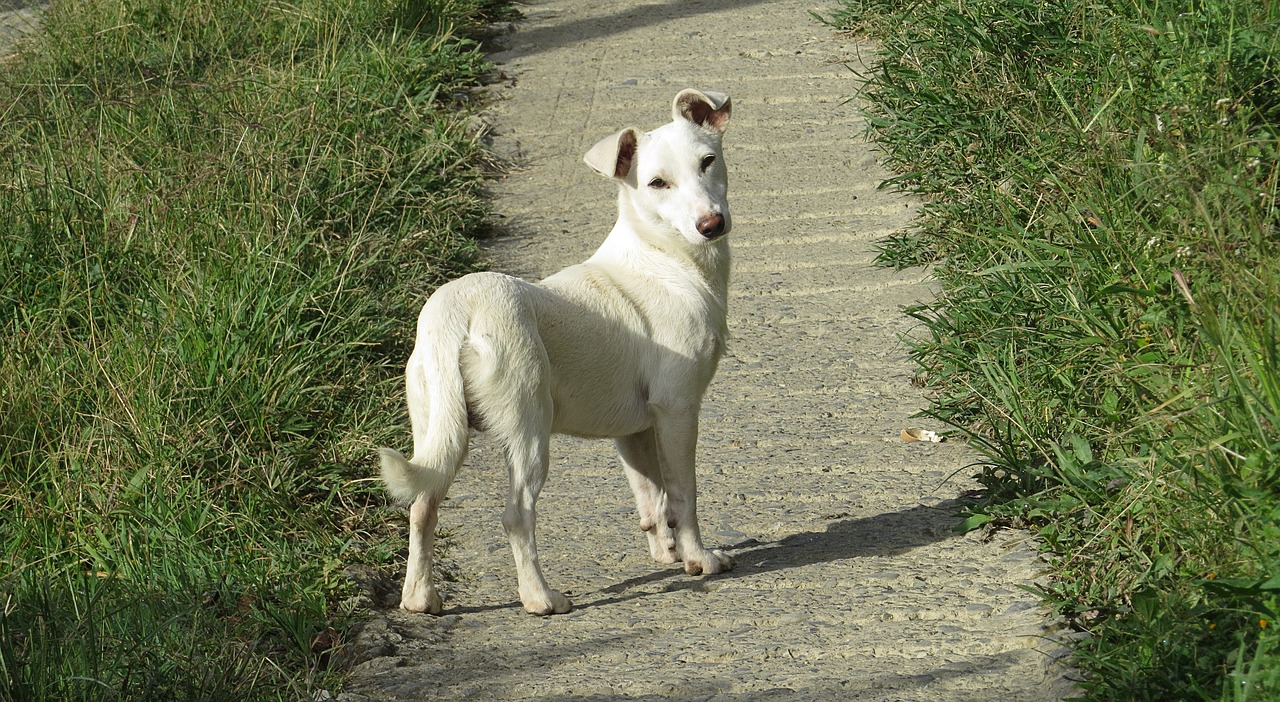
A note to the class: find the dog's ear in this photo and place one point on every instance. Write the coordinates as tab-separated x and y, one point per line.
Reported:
706	109
614	155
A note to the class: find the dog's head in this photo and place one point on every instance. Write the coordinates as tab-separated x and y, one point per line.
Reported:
675	175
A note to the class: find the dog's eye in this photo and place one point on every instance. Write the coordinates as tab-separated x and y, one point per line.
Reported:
707	161
658	184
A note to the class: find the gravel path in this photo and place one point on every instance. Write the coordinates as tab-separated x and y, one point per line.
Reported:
850	583
17	18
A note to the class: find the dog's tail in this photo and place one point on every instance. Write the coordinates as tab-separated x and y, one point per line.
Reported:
438	411
406	480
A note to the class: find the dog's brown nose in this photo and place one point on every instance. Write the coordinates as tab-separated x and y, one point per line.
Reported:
711	226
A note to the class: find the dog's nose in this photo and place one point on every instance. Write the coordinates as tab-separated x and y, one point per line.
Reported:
711	226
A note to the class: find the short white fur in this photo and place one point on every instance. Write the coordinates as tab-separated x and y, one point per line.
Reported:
621	346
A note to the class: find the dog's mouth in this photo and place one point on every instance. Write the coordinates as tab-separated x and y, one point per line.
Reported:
712	227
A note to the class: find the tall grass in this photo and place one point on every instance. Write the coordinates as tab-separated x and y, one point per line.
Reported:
217	219
1102	182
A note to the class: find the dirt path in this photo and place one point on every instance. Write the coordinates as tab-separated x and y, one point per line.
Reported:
850	583
17	18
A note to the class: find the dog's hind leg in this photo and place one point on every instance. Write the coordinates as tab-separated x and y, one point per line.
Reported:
677	438
508	376
437	410
527	457
639	456
419	594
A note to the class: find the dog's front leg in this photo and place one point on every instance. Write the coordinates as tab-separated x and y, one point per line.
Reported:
639	454
677	439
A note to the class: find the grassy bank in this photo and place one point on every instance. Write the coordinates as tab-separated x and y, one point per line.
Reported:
1102	180
217	221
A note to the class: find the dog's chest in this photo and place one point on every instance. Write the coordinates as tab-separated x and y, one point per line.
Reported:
631	333
617	353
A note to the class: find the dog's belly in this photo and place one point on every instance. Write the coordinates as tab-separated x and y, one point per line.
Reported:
599	411
620	350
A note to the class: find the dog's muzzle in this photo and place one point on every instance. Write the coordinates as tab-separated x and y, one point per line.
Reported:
711	226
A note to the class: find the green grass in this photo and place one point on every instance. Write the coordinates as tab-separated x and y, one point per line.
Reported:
217	221
1102	185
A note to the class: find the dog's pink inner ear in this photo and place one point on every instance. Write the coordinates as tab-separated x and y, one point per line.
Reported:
700	112
626	154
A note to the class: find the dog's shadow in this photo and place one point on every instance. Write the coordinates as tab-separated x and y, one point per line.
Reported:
879	536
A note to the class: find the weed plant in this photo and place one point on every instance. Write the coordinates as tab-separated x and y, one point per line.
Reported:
1102	214
217	221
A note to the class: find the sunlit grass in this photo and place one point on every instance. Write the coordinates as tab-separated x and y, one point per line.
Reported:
217	220
1102	213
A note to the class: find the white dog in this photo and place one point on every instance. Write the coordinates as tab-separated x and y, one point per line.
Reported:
621	346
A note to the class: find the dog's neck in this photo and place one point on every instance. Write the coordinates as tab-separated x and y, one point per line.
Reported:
633	236
706	265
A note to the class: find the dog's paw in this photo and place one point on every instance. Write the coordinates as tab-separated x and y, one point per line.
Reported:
708	563
543	604
421	600
664	555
